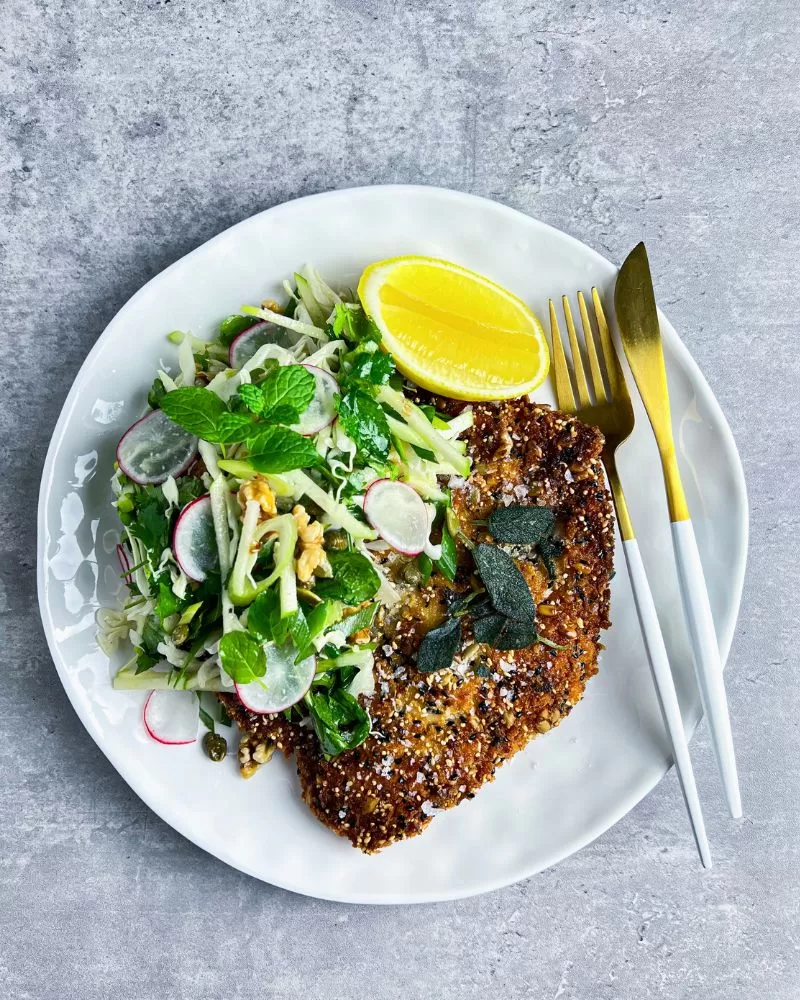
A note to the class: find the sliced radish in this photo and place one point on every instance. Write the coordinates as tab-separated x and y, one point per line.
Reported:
194	541
248	342
170	717
155	448
284	683
397	512
124	563
321	411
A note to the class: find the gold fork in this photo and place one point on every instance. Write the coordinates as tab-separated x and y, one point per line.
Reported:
609	409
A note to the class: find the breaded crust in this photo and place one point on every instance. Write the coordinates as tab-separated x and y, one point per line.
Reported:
438	737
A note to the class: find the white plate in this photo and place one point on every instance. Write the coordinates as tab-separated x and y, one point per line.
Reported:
565	789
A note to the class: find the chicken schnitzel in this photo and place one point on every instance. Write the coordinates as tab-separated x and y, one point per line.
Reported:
437	737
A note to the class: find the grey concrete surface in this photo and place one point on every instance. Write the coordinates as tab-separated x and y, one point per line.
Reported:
133	130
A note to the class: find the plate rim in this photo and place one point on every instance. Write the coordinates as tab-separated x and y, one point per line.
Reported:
634	795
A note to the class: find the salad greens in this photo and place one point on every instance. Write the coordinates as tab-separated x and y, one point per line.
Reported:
288	416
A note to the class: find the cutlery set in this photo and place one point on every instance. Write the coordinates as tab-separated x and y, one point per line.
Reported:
607	406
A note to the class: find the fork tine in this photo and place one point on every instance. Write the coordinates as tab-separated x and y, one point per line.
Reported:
564	395
591	350
577	362
616	379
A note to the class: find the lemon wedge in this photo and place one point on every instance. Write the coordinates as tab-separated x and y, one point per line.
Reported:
455	332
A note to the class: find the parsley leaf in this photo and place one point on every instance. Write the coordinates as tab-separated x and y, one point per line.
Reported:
372	367
352	323
340	723
168	604
365	423
242	657
190	488
156	394
148	654
354	579
265	621
151	525
276	449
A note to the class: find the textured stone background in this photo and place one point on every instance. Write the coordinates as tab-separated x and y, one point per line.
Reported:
133	130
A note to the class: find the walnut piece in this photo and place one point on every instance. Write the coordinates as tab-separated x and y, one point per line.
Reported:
312	552
258	489
252	755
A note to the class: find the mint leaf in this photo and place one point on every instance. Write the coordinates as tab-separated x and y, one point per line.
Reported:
286	393
242	657
275	449
507	587
439	646
233	427
252	397
354	579
203	413
365	423
195	409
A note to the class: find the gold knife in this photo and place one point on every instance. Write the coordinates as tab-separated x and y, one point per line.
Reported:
637	317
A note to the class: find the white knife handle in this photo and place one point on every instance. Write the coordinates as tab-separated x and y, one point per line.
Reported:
707	662
667	697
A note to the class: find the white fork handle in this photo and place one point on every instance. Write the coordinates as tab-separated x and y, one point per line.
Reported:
707	662
667	697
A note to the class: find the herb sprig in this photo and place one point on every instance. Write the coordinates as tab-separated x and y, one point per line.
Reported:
504	614
280	399
520	525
